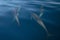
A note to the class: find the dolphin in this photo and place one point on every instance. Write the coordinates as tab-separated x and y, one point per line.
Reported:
40	22
16	15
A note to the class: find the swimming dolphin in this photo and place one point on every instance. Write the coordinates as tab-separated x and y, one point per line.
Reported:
16	14
40	22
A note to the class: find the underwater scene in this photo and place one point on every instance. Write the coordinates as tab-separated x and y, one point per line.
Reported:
29	19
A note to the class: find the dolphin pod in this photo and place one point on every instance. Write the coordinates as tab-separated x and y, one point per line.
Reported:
34	16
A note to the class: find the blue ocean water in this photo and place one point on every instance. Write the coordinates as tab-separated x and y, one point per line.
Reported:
29	29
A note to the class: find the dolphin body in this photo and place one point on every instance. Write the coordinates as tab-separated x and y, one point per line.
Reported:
17	19
16	14
40	22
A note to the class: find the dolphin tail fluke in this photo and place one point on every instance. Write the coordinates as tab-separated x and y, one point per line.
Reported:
49	35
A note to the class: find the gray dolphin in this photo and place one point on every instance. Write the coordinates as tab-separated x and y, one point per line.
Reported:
16	14
39	21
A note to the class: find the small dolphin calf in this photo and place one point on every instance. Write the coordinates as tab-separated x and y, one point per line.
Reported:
39	21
